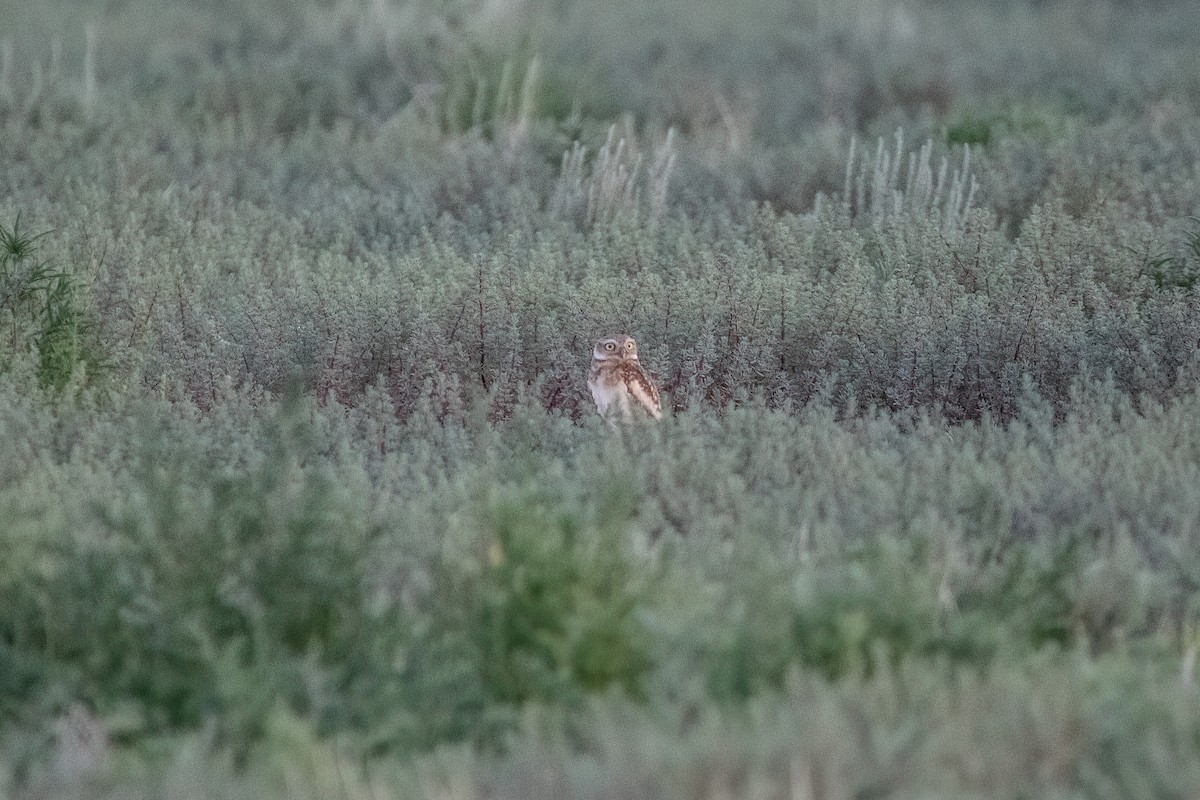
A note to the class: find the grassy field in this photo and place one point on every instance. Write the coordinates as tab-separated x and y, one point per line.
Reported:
302	494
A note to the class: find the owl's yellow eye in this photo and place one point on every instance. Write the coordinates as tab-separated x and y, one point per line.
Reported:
609	346
630	345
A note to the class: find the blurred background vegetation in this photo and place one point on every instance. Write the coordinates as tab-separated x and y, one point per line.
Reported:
303	495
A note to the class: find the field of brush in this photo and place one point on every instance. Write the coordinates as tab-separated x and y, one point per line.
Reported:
302	494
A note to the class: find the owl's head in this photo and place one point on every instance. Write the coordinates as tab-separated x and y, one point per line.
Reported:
616	347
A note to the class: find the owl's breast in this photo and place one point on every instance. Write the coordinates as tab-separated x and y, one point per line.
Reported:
606	383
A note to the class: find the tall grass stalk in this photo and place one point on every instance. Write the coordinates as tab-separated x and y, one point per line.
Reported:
6	68
89	69
875	189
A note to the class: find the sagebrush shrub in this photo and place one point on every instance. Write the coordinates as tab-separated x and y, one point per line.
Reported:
922	519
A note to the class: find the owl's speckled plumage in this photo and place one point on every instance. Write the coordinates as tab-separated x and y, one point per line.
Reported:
617	378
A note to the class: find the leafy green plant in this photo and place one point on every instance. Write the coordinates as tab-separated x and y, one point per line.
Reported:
970	130
40	310
543	609
205	594
1174	271
878	607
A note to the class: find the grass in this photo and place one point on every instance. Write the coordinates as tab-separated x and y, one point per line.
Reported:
302	494
42	313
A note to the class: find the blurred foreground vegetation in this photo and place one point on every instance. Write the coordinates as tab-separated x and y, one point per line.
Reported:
302	494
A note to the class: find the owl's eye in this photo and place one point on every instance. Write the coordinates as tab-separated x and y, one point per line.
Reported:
630	345
609	346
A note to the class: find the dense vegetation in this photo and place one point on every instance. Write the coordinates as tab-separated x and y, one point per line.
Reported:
302	493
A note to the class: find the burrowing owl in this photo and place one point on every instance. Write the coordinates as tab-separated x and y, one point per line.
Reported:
617	377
